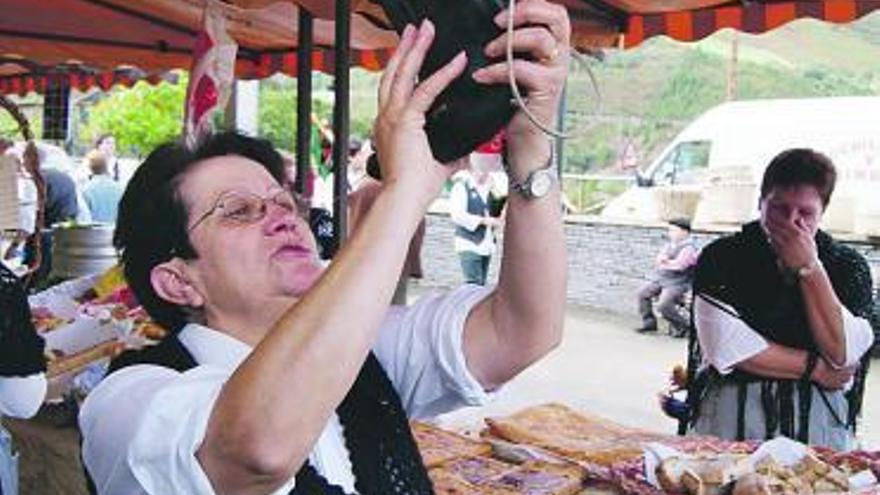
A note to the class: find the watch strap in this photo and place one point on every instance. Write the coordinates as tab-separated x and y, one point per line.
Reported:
524	187
808	269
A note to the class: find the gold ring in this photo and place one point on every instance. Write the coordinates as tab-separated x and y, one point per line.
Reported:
553	55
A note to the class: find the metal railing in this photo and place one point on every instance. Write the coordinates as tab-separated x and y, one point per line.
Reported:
589	193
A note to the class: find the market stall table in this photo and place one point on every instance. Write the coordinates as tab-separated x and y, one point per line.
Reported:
49	459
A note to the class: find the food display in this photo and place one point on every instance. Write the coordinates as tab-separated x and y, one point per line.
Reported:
740	474
577	436
45	321
552	449
89	320
474	470
438	446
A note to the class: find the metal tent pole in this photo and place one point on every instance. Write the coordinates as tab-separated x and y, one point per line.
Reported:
340	121
303	99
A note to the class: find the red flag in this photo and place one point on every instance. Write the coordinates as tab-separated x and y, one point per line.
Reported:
211	75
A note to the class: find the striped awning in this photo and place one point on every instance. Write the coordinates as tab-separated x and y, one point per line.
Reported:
323	60
751	17
110	37
157	36
21	77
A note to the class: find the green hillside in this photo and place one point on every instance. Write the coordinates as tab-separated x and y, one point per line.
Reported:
649	93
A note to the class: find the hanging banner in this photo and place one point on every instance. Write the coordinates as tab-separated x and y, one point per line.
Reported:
211	75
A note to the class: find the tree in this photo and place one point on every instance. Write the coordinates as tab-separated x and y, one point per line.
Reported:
277	114
140	118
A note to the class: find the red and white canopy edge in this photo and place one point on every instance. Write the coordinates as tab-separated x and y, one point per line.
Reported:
103	42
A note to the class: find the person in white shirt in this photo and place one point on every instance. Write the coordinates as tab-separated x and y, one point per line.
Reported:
470	209
782	318
279	377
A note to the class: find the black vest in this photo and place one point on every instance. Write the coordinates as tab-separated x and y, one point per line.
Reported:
384	455
475	206
21	349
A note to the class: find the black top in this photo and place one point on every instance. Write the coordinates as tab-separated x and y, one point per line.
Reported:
21	349
742	271
61	202
321	225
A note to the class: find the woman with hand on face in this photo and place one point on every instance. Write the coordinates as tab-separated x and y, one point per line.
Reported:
281	377
781	313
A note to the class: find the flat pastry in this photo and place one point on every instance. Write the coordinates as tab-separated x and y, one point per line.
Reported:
438	446
574	435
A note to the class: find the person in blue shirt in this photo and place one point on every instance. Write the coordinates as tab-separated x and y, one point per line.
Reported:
101	192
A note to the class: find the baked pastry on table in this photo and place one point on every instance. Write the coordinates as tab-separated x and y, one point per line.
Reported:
574	435
464	477
475	470
459	465
438	445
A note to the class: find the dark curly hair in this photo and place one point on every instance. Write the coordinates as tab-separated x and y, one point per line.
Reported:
801	167
152	221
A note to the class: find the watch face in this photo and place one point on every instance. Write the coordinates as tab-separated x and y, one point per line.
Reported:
542	181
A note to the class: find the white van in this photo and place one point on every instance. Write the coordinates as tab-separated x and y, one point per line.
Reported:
713	168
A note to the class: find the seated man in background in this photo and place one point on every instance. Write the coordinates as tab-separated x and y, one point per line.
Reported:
280	378
781	313
671	279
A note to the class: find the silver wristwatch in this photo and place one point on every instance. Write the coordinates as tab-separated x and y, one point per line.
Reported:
537	184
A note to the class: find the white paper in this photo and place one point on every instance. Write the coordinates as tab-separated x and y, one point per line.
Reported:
65	291
862	479
785	450
80	335
655	454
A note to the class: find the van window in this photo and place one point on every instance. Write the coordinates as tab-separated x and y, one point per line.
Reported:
683	164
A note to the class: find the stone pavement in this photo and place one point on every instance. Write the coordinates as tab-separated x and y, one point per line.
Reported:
604	367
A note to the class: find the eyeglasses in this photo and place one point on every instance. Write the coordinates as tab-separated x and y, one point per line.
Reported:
242	208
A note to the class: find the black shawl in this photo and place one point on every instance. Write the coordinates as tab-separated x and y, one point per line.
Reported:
21	349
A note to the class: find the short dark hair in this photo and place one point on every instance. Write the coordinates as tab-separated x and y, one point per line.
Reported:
102	138
152	223
682	223
800	167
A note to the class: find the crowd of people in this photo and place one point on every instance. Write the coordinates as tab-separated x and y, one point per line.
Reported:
283	373
83	194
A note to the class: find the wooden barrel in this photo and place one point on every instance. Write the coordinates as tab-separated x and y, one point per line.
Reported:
82	250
